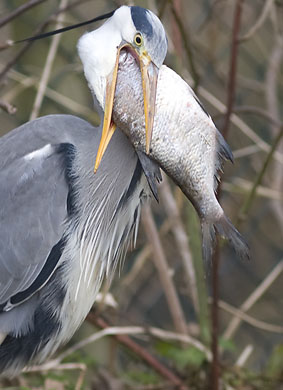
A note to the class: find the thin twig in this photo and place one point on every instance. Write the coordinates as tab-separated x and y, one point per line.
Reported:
246	353
142	257
121	334
252	299
21	52
233	67
273	107
61	367
242	186
181	238
55	96
9	108
38	30
238	122
258	111
188	48
216	256
254	28
48	65
245	151
160	262
249	319
251	196
215	318
18	11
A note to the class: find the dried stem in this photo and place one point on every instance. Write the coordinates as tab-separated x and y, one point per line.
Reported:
254	28
238	122
273	107
233	67
216	255
48	65
181	239
122	335
38	30
160	262
215	318
258	111
188	47
249	319
9	108
251	196
194	234
55	96
18	11
241	361
61	367
252	299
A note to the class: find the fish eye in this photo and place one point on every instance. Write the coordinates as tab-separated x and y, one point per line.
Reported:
138	39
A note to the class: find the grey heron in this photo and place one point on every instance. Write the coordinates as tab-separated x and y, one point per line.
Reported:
63	228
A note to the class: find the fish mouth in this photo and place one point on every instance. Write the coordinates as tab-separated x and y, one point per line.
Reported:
149	75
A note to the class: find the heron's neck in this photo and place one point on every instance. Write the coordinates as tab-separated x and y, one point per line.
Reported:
97	51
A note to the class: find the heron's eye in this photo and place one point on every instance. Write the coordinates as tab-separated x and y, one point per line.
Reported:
138	39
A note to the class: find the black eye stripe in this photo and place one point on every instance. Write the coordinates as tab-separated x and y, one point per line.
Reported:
141	20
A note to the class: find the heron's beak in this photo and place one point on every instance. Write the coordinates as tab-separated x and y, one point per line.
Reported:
149	73
108	126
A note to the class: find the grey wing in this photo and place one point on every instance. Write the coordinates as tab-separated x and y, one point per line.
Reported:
33	206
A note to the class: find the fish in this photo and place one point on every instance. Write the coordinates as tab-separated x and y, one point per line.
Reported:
185	143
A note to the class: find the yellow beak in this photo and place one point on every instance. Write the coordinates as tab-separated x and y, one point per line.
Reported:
149	73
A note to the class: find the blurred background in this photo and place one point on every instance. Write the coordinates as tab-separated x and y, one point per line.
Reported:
250	301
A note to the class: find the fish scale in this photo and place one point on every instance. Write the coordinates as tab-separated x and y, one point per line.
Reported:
185	143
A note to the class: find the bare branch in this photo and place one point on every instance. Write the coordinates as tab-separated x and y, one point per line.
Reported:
237	121
251	196
48	65
160	262
181	238
233	67
9	108
253	298
264	14
18	11
249	319
246	353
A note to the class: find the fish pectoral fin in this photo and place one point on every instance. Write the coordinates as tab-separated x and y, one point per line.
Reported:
151	171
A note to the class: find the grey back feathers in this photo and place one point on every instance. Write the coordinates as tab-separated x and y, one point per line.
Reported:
57	215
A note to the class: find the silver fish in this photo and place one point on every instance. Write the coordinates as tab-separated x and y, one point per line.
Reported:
185	143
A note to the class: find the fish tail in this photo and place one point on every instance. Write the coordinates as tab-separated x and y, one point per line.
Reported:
224	227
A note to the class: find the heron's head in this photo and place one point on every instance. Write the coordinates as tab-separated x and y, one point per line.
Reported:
135	29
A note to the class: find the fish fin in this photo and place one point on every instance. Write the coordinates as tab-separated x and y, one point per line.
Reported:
152	172
225	229
224	149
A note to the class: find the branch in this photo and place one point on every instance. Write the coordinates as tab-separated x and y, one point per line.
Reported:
9	108
265	12
216	255
251	196
160	262
181	239
188	48
48	65
18	11
249	319
238	122
233	67
253	298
